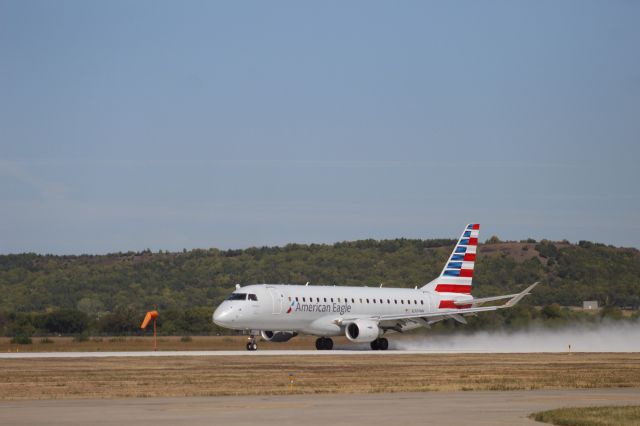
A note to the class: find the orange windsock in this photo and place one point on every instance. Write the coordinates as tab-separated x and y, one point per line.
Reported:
150	315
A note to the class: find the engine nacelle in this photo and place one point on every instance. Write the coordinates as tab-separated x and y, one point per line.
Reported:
362	331
277	336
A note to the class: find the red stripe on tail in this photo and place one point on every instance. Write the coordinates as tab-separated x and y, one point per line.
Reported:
453	288
467	273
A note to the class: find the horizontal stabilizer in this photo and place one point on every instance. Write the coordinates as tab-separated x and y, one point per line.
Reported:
519	296
447	313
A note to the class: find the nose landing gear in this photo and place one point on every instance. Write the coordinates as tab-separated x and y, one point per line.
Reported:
251	344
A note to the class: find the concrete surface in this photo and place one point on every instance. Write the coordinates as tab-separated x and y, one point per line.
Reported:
295	352
437	408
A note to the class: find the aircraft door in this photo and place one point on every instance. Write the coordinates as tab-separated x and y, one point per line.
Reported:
276	300
430	301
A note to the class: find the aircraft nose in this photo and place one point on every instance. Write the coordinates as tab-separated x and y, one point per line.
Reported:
221	316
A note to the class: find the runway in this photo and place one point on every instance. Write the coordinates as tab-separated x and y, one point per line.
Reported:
438	408
26	355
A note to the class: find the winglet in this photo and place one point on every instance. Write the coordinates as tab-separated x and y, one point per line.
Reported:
519	296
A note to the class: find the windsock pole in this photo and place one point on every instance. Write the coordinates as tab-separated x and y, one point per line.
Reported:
155	337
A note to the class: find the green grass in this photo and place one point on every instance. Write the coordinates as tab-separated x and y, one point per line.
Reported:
591	416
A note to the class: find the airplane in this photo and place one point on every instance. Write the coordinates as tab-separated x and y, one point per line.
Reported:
279	312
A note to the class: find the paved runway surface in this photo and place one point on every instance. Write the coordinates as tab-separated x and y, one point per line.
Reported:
436	408
8	355
296	352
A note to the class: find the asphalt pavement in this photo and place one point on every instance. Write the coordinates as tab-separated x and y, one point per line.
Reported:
433	408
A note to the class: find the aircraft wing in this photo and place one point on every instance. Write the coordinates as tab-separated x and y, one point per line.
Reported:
453	313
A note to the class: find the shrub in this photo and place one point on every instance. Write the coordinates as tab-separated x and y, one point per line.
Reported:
547	249
611	312
21	339
493	240
82	337
553	311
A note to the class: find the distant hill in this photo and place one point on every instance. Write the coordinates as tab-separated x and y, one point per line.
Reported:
570	273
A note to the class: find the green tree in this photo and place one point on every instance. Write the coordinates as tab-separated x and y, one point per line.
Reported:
493	240
65	321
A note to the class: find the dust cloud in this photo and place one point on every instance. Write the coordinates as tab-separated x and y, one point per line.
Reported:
606	337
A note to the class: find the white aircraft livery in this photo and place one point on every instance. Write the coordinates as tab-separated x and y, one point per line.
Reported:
279	312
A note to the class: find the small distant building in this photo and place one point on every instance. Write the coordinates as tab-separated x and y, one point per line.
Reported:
590	305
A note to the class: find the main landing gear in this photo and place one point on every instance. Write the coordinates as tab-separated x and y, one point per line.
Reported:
380	344
251	344
324	343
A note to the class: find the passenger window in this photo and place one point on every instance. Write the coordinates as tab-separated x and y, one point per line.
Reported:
289	298
402	301
367	300
422	302
304	300
415	302
360	300
381	301
374	300
388	301
332	300
325	300
395	301
297	299
338	300
352	300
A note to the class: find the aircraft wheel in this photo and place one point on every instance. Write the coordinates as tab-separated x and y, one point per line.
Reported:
383	344
252	346
374	345
324	343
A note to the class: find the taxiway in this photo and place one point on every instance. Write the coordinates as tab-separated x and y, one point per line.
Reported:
438	408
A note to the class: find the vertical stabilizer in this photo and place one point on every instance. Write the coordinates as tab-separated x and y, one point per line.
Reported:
457	274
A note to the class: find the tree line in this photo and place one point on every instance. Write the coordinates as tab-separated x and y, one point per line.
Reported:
109	294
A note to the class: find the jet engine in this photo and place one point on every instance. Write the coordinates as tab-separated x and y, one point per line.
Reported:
362	331
277	336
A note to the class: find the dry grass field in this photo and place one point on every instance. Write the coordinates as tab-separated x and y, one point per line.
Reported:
145	343
51	378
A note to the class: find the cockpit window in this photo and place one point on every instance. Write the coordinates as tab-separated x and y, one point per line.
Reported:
243	296
237	296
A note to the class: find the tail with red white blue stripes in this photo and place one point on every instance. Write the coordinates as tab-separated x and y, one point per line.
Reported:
457	275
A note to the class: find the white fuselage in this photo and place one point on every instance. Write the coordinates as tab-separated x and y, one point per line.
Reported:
317	310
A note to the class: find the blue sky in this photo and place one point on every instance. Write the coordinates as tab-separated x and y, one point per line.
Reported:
170	125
